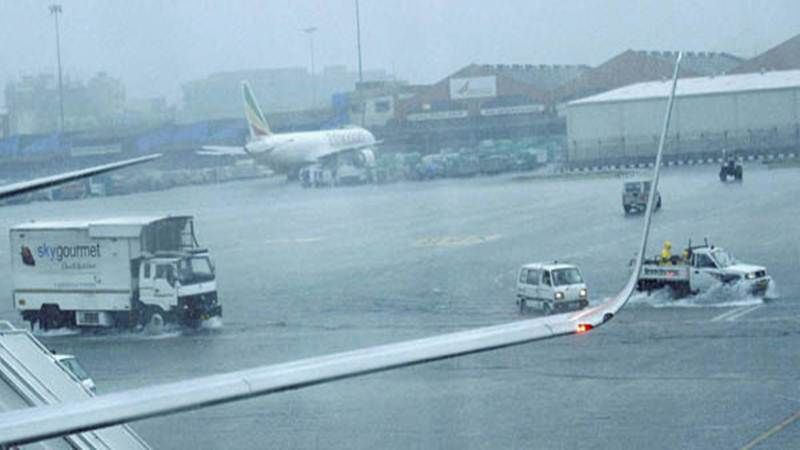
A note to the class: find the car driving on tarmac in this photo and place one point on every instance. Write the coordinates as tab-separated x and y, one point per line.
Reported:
551	287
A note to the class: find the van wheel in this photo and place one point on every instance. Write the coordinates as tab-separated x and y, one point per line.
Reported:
523	306
547	309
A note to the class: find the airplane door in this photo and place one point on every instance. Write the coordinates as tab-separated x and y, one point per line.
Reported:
703	273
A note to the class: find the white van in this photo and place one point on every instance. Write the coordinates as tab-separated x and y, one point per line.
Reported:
553	287
70	364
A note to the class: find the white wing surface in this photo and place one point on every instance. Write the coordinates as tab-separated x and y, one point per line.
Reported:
46	182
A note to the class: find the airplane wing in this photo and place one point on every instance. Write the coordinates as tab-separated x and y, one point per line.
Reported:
33	424
46	182
220	150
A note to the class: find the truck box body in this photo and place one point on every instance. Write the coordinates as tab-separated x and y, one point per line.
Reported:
73	266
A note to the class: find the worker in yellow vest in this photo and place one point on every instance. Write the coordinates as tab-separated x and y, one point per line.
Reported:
666	254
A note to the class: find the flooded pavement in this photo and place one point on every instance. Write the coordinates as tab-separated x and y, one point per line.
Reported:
308	272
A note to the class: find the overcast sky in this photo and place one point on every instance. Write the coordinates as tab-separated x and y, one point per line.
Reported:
154	46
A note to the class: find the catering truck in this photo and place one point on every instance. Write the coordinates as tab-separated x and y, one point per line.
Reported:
118	272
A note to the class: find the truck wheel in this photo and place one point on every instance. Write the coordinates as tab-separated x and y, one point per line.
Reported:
627	209
50	317
523	306
722	176
152	320
738	174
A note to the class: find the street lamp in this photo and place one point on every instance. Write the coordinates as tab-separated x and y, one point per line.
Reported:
358	43
55	10
310	32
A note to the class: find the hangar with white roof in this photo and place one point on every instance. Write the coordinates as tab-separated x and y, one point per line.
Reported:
749	114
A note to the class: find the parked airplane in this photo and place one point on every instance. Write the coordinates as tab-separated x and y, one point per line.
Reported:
30	425
290	152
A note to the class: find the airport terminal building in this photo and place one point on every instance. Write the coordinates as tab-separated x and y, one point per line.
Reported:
750	114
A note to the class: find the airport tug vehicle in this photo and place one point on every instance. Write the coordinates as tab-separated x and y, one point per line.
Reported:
551	287
697	269
730	168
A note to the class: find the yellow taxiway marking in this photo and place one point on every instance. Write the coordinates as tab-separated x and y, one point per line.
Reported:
764	436
455	241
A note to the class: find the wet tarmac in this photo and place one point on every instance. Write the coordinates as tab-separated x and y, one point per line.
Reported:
308	272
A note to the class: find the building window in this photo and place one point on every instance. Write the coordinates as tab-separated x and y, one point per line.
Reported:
383	106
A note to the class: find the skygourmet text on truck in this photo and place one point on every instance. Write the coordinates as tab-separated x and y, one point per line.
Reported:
118	272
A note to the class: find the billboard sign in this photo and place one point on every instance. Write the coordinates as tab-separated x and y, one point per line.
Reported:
473	87
437	115
512	110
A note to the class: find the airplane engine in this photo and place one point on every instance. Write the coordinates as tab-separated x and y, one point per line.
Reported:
365	158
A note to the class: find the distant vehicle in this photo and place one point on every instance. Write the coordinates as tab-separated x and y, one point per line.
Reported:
290	152
697	269
731	167
118	272
33	376
634	196
552	287
71	364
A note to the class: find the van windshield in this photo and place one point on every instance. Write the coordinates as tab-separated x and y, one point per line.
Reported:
195	270
562	277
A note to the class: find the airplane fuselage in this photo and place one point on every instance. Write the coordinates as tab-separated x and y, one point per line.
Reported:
287	152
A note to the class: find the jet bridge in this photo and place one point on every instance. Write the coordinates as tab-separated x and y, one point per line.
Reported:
31	376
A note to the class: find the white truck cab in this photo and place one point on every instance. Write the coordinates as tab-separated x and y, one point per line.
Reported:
552	287
700	267
180	284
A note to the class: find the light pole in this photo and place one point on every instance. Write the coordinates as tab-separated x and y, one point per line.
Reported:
363	104
55	10
310	32
358	43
